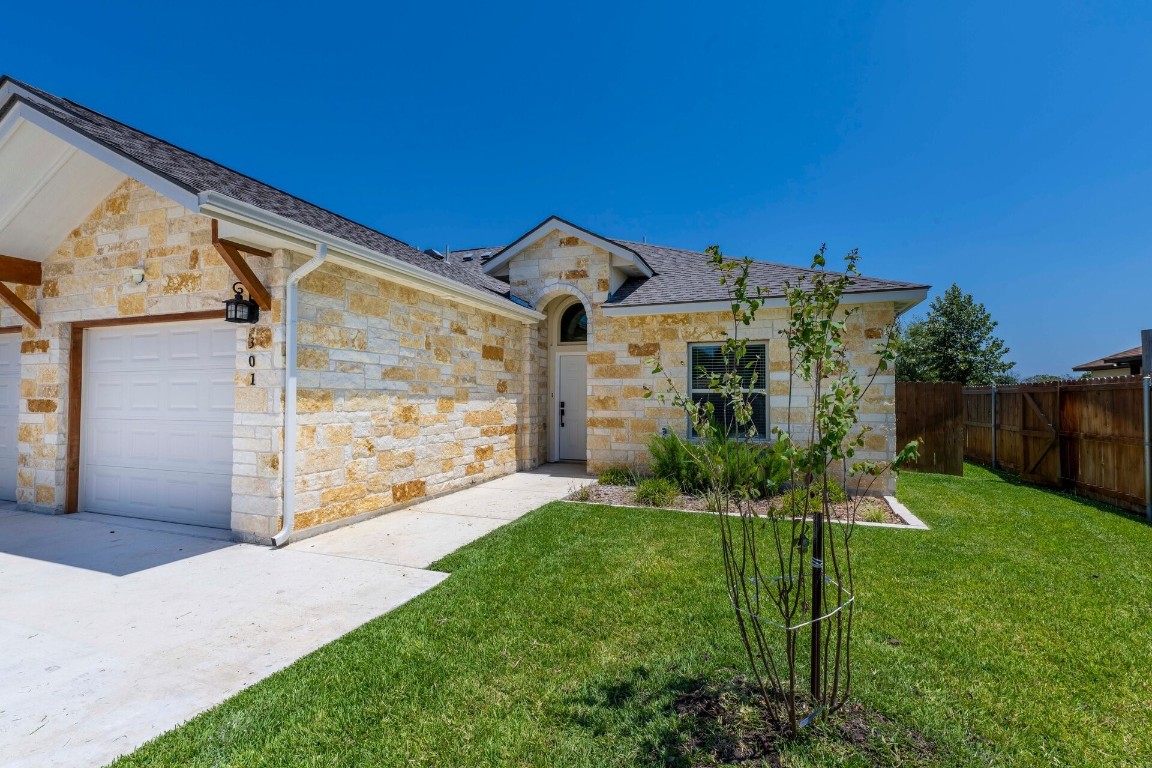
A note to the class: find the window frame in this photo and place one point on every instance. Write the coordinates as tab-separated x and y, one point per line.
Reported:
563	312
761	387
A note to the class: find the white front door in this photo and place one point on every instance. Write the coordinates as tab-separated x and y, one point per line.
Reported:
9	412
572	406
156	441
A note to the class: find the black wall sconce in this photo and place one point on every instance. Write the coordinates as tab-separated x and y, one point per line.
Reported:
240	310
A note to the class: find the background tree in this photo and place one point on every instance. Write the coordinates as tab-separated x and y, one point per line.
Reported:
953	342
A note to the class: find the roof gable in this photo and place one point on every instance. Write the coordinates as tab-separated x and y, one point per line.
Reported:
194	181
629	256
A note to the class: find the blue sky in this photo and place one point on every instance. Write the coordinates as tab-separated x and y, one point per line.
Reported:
1001	146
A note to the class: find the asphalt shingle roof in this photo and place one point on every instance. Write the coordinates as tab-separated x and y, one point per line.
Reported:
680	275
198	175
686	276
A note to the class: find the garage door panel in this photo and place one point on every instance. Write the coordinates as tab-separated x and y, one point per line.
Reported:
157	440
144	396
145	348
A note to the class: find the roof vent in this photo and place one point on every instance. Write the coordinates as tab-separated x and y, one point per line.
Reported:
469	257
434	253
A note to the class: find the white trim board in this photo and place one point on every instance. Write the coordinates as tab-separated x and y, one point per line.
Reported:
558	224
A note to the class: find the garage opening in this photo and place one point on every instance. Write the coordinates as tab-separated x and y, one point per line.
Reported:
156	421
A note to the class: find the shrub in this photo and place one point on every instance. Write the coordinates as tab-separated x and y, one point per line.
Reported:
656	492
671	460
583	493
743	466
874	515
619	475
792	502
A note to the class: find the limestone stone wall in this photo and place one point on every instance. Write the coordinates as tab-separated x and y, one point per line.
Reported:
87	278
620	418
403	394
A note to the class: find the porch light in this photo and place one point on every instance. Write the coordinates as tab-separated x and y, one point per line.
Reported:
240	310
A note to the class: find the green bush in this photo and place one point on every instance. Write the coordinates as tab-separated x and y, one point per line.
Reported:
656	492
618	475
792	502
874	515
672	461
745	467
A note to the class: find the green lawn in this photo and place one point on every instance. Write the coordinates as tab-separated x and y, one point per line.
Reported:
1024	619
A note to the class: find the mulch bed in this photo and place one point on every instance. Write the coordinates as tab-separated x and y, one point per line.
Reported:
869	509
726	724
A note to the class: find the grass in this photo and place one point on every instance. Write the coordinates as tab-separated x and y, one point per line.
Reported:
1017	632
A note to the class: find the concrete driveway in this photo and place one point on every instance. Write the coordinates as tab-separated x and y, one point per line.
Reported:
115	630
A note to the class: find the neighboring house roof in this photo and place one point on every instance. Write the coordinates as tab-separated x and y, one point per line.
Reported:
1118	360
199	175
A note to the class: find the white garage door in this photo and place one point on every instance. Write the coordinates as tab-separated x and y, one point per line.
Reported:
157	415
9	412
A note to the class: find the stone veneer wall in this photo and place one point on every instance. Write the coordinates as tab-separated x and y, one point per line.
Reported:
620	418
403	394
87	279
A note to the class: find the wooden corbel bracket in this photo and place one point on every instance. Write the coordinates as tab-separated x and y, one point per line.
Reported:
230	252
10	298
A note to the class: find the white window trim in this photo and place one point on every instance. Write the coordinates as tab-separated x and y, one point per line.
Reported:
760	389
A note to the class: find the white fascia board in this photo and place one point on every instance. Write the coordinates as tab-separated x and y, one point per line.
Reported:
569	229
358	257
23	111
908	298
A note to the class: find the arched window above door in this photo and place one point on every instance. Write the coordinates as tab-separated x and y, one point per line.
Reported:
574	325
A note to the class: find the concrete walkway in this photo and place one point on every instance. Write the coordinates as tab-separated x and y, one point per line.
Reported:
114	631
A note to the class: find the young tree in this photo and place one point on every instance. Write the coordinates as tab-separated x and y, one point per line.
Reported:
790	577
954	342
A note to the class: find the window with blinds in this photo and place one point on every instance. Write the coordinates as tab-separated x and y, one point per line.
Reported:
708	359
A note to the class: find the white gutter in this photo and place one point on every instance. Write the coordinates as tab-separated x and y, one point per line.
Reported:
910	298
359	257
289	463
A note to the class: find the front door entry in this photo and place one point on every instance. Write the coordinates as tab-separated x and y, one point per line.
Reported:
572	406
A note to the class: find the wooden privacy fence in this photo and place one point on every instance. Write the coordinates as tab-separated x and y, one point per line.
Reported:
933	413
1088	437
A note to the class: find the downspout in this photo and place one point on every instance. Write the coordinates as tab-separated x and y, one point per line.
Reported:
289	463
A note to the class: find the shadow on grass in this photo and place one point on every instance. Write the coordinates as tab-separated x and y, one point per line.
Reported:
637	706
983	473
717	719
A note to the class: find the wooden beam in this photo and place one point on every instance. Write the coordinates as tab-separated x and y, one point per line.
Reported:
249	249
23	271
231	255
22	309
75	402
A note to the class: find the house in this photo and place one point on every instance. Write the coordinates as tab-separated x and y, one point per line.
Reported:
1126	363
376	374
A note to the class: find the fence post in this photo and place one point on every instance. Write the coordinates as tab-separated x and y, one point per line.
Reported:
1148	446
993	426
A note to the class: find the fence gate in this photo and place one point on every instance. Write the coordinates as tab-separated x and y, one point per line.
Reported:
933	413
1083	436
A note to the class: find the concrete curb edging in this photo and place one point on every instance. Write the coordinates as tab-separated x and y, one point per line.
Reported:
910	520
904	514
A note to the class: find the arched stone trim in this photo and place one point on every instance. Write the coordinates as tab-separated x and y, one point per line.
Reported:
549	293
